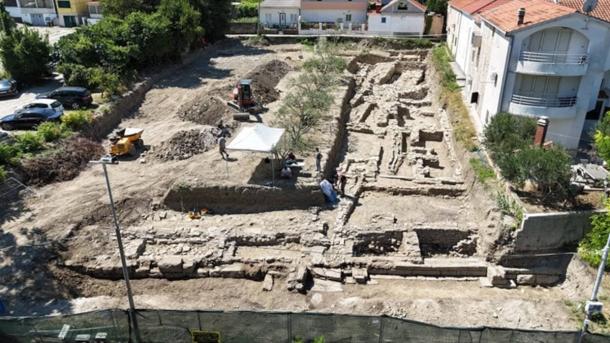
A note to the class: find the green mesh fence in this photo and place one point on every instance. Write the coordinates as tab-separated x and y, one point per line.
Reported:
157	326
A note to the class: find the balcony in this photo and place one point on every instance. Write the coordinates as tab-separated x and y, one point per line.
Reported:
552	107
48	4
559	64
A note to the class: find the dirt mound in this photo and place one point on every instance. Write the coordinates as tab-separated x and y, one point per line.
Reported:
71	157
264	79
185	144
205	109
209	107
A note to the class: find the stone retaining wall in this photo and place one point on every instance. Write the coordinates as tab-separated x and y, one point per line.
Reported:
242	199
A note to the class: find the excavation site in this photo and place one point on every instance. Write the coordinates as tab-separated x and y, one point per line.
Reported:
413	236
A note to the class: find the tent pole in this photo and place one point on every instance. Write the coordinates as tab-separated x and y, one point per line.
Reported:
272	172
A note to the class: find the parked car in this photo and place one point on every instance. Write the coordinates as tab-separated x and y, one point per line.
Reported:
28	118
44	103
8	88
70	97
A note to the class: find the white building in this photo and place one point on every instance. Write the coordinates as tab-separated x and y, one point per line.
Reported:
33	12
334	11
95	12
280	13
552	60
398	17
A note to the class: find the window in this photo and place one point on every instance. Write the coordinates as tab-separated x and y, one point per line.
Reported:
268	18
348	17
383	20
56	104
63	4
474	98
402	5
10	3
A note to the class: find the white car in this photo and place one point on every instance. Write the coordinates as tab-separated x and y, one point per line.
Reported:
45	103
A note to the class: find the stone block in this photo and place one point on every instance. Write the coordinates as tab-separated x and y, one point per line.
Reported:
328	274
268	283
170	265
361	275
235	270
526	279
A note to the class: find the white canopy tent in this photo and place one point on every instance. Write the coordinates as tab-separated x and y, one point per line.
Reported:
257	138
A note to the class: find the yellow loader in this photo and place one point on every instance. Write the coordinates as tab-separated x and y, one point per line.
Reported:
126	142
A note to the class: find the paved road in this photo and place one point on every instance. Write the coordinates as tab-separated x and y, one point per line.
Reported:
9	105
54	33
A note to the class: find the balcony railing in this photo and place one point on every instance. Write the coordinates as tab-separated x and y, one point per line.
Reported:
553	58
562	101
36	4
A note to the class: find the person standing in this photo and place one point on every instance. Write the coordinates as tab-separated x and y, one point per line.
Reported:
222	147
318	160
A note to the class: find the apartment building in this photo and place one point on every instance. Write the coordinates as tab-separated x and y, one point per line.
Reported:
534	58
72	12
33	12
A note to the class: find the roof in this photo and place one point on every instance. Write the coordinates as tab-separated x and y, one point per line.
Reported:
43	101
601	11
257	138
357	5
476	6
412	2
281	3
504	16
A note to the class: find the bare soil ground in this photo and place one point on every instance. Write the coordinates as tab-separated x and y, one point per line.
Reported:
72	219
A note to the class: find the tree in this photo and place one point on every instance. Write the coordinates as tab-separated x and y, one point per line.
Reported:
602	138
7	24
25	54
184	24
509	140
214	17
438	6
121	8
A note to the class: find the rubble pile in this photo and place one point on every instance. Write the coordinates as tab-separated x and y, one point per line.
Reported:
184	144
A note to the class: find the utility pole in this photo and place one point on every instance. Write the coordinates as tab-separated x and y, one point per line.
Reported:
594	306
132	309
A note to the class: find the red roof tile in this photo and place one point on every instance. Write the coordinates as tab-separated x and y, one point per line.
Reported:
472	7
601	11
536	11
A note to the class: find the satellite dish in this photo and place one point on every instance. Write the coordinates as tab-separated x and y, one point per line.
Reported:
589	6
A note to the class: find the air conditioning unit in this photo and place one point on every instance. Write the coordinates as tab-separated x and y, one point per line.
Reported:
476	40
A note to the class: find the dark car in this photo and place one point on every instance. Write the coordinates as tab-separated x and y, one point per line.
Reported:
8	88
28	118
70	97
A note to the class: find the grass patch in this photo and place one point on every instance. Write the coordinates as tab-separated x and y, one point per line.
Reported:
451	96
402	43
51	132
483	172
29	142
508	206
77	120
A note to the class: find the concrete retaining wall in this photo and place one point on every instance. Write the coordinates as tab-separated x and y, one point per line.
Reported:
242	199
545	232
